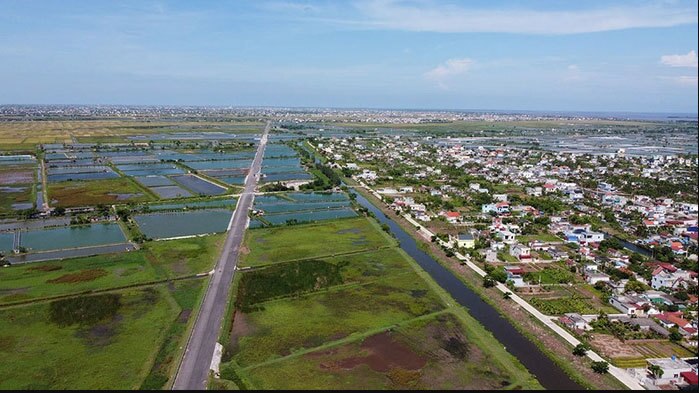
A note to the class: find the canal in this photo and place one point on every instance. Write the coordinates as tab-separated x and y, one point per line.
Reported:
544	369
631	246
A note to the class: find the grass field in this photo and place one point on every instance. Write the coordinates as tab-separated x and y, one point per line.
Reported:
155	261
433	353
187	295
564	305
95	192
366	319
287	325
271	245
104	341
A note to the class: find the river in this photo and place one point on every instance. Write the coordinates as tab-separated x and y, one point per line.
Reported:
544	369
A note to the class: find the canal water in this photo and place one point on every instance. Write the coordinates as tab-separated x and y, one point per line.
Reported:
544	369
631	246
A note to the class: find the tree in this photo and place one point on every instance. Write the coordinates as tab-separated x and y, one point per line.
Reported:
58	211
499	275
656	371
635	286
580	350
675	335
507	295
488	281
600	367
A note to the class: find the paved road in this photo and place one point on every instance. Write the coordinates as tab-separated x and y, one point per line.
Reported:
193	372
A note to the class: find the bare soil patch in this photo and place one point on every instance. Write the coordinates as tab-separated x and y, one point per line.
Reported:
385	354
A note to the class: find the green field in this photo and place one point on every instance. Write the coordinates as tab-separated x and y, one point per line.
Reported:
319	313
188	295
271	245
95	192
287	325
560	306
432	353
549	275
105	341
153	262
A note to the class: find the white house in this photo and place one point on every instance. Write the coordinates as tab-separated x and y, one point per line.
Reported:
594	278
521	252
506	236
500	197
672	368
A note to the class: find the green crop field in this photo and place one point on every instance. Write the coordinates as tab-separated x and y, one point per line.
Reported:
339	305
271	245
155	261
105	341
95	192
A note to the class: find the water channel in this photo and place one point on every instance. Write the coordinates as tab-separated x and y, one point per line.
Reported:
544	369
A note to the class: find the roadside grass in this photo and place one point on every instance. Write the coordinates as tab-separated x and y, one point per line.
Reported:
78	344
328	238
153	262
94	192
430	353
187	295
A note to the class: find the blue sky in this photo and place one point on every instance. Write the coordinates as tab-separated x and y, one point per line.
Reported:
529	55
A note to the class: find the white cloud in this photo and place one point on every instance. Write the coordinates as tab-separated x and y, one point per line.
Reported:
443	72
689	60
437	17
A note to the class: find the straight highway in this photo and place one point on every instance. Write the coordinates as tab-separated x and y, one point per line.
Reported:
193	372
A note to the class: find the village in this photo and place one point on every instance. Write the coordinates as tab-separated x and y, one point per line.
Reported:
601	245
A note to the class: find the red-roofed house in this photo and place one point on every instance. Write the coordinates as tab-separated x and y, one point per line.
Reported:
690	377
451	217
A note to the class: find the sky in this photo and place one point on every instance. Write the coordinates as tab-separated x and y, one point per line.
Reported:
592	55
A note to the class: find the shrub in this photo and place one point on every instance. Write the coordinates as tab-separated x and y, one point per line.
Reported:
600	367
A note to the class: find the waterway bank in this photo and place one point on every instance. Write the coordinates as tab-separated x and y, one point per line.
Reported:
549	374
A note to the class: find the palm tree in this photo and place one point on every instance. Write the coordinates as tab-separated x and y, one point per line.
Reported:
656	371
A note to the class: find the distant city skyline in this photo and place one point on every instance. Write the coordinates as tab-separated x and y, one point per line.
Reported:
592	56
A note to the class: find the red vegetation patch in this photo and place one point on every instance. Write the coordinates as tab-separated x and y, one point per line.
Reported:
85	275
385	354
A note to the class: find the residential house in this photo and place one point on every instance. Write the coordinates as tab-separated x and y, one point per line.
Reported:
521	252
672	370
464	240
594	278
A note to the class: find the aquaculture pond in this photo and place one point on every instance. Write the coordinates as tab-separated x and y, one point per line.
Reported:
273	177
196	222
168	192
227	203
72	237
301	207
223	164
6	241
154	181
199	185
308	216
